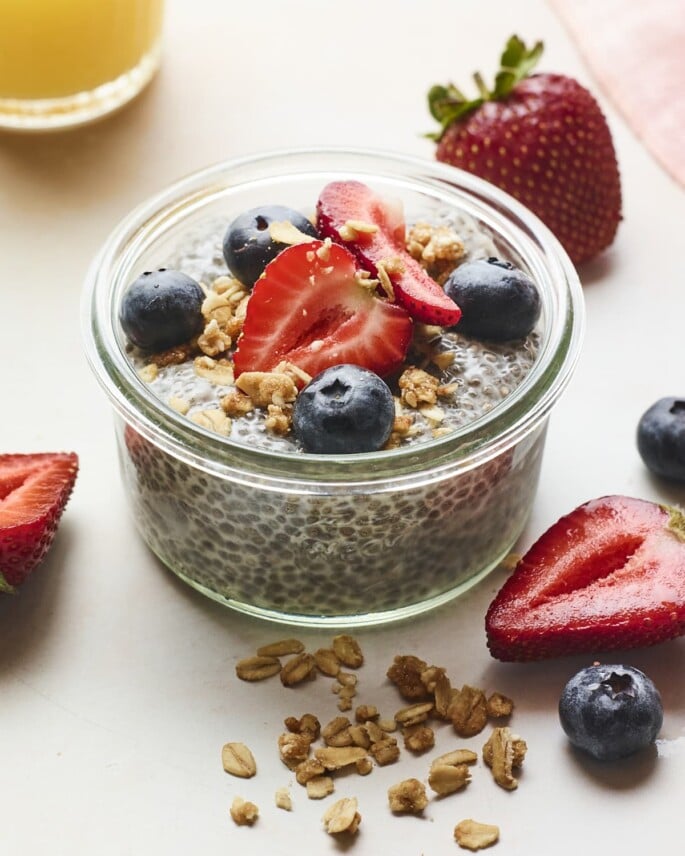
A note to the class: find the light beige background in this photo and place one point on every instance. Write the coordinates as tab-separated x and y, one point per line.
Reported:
117	688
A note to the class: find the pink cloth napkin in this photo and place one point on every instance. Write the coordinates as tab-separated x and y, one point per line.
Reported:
636	51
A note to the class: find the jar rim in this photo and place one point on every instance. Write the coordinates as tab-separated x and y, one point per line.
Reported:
484	438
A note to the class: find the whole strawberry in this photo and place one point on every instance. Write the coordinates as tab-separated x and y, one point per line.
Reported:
544	140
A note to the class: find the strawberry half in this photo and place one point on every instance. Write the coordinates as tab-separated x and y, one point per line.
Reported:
543	139
611	574
34	489
344	203
311	308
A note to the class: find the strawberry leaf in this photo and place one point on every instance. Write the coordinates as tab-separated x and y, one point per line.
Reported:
5	587
516	63
448	105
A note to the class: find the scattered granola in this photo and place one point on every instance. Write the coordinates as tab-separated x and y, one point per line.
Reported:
472	835
438	249
266	388
342	816
385	281
385	751
257	668
447	778
442	693
351	229
309	769
212	419
364	766
298	669
174	356
238	760
307	724
405	673
502	753
468	711
327	662
414	714
348	651
419	738
455	757
375	732
244	813
148	373
337	732
236	403
418	387
213	340
217	372
355	742
335	758
279	419
226	303
402	426
282	648
347	679
364	712
408	797
319	787
284	232
499	705
180	405
293	748
360	736
283	799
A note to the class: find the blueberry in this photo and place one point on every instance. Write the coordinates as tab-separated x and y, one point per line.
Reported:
344	409
248	245
499	302
610	711
161	309
661	438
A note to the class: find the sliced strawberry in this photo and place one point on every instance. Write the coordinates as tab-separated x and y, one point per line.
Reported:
310	309
342	203
611	574
34	490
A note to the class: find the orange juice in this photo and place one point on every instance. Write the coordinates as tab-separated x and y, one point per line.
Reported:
55	49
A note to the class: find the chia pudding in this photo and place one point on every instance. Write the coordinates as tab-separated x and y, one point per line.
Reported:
233	504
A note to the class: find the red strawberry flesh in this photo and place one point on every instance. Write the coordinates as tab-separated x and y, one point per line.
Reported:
309	309
34	490
611	574
344	202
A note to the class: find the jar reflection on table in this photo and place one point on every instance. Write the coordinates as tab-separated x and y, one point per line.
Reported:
64	62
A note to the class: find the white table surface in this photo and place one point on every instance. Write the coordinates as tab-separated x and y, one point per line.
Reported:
117	685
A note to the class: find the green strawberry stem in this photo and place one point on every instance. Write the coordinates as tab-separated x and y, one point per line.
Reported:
448	104
5	587
676	521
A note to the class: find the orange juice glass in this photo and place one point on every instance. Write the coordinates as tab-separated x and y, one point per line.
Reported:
65	62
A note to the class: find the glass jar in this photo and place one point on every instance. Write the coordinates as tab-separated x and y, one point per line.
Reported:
337	540
65	62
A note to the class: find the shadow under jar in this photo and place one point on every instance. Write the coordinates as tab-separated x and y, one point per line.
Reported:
337	540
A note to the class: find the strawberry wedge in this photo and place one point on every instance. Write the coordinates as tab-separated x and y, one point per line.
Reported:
311	308
611	574
341	205
34	489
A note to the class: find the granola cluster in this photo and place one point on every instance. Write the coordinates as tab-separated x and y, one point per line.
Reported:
438	249
357	743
